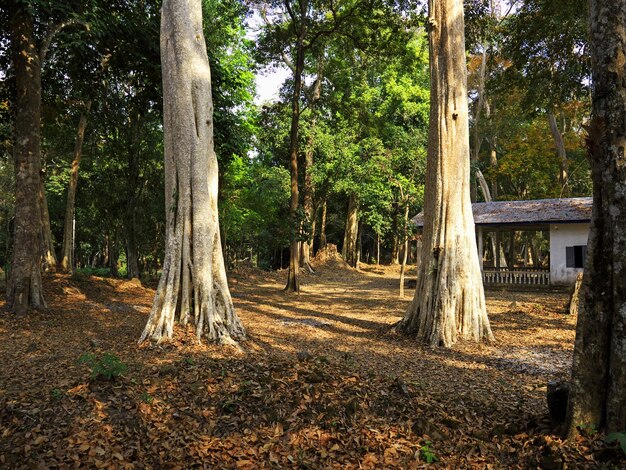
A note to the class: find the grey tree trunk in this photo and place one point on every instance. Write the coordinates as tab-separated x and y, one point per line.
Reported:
309	209
24	287
477	117
323	227
598	383
406	250
194	265
350	249
449	301
293	278
560	148
47	248
67	258
134	185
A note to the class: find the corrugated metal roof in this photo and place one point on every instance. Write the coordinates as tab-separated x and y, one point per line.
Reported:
538	211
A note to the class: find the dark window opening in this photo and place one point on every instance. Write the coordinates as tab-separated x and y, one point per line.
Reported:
575	256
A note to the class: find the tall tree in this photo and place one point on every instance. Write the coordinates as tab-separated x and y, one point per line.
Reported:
598	385
194	264
69	226
449	299
24	289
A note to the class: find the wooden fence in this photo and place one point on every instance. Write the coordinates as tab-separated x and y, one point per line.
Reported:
517	276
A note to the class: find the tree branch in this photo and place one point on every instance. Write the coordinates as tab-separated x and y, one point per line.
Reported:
53	31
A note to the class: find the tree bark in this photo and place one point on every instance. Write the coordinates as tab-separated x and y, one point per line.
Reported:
47	248
67	258
323	227
349	250
134	183
449	299
194	265
309	210
24	288
406	250
560	148
477	138
293	278
598	383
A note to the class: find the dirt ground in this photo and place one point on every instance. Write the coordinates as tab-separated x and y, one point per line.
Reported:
320	383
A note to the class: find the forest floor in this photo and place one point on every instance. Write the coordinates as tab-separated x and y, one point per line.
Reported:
321	382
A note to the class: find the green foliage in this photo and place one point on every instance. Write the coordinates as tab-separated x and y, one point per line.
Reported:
619	437
254	212
105	367
57	394
89	271
147	398
427	454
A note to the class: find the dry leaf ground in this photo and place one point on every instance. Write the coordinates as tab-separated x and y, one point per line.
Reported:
321	383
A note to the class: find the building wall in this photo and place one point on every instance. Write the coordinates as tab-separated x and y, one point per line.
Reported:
562	236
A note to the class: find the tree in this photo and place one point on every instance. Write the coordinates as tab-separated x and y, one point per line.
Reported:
25	290
194	265
67	258
449	299
598	383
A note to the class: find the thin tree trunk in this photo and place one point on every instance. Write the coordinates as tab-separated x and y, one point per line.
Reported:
349	251
395	243
323	227
493	162
598	383
49	255
406	250
67	259
307	245
193	285
560	148
24	289
293	281
477	138
449	299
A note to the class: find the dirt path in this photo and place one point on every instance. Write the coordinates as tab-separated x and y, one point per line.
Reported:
320	384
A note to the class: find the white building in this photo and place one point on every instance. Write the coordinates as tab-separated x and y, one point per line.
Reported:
554	256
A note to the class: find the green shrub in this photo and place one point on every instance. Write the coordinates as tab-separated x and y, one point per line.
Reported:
147	398
106	367
427	453
618	437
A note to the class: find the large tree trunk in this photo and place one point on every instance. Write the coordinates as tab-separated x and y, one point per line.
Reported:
449	299
349	250
598	385
67	258
194	264
24	288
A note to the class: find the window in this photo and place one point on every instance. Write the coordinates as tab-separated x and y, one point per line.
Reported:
575	256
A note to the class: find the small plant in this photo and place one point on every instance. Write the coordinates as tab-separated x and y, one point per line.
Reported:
106	367
427	453
56	394
618	437
147	398
190	361
588	430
